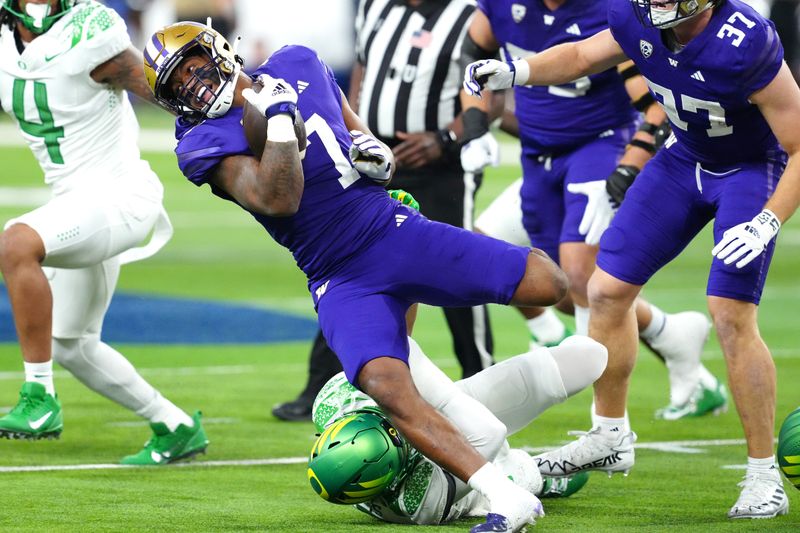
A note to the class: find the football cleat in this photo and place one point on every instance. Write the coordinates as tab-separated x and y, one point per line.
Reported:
563	487
680	344
762	496
295	411
591	451
166	446
535	342
703	400
37	415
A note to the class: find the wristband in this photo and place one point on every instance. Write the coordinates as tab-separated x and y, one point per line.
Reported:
280	129
286	108
521	70
476	123
644	145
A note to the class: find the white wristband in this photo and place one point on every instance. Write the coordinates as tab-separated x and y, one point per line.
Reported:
523	71
280	129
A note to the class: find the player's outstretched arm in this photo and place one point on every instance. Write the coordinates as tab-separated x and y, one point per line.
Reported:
555	66
125	71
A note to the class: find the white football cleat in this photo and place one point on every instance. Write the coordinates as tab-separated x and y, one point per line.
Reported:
591	451
762	496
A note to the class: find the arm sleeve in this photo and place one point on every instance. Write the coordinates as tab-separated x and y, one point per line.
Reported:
203	148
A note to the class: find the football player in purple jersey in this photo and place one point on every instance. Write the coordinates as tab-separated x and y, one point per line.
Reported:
717	68
321	195
574	173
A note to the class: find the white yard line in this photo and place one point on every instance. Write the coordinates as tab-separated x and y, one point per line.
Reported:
142	423
678	446
182	371
194	464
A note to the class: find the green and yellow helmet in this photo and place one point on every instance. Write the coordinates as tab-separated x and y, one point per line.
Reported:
356	458
169	46
38	18
669	13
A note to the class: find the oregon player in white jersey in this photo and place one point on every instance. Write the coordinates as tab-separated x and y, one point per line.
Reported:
486	407
65	67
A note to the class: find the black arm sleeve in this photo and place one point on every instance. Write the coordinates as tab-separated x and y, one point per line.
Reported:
470	52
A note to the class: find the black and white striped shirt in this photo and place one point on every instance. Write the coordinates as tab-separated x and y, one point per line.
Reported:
412	76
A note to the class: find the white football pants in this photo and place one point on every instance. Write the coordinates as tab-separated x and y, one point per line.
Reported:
87	233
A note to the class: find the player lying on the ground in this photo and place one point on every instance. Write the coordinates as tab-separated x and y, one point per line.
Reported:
283	157
362	459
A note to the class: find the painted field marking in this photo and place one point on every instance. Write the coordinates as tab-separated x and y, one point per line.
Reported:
110	466
143	423
666	446
222	370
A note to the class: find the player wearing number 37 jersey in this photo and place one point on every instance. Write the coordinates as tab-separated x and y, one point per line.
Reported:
717	68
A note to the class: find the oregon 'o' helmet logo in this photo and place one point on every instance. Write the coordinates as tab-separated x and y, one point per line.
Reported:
356	458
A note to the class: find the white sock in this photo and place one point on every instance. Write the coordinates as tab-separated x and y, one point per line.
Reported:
163	410
581	320
489	481
596	419
610	428
656	325
41	373
762	466
546	328
707	378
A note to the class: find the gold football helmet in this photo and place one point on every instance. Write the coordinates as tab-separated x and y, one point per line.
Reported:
669	13
210	89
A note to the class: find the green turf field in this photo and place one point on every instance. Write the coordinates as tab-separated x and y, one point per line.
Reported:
218	252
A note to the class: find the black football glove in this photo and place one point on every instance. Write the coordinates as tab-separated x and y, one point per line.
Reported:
619	182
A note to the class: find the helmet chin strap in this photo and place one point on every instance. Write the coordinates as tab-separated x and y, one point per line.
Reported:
224	100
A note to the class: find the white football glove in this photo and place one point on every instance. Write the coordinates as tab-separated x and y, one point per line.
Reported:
598	213
369	157
748	239
276	97
494	75
480	153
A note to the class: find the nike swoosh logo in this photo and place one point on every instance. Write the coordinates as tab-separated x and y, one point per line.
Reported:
156	457
36	424
50	58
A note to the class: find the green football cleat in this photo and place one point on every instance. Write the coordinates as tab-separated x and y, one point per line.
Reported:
703	400
167	446
37	415
537	343
563	487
